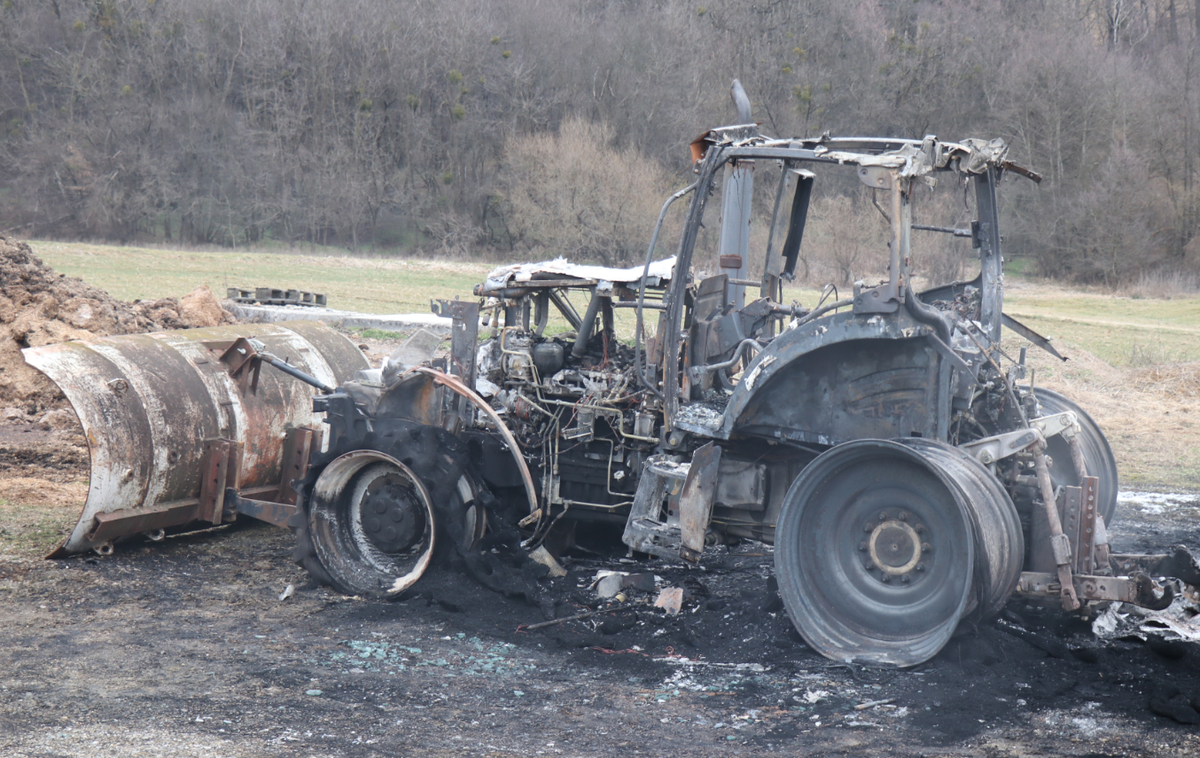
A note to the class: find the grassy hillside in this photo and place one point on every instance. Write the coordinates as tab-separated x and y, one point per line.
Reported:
1121	330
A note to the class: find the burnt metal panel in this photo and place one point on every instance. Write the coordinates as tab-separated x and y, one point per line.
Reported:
147	403
846	377
696	501
852	390
991	260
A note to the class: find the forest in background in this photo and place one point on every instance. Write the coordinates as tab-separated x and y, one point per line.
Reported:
504	127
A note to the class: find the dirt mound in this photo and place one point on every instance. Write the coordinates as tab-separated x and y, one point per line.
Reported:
200	307
41	307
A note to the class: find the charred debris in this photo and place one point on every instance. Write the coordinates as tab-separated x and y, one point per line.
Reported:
908	471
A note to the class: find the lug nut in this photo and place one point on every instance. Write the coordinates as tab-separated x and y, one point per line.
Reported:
920	567
926	547
868	565
862	547
905	579
885	578
904	515
919	528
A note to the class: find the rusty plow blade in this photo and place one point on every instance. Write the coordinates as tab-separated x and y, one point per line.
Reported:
169	426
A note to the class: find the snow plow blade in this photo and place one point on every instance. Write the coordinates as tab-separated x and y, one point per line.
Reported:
171	422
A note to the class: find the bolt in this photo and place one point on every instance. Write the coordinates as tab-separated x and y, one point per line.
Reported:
920	567
904	515
919	528
926	547
868	565
883	515
862	546
885	578
868	528
905	579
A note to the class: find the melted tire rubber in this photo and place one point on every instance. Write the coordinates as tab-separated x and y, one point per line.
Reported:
440	461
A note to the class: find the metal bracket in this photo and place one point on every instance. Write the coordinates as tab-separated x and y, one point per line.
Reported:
297	448
120	523
696	501
876	177
1080	524
215	473
278	514
882	299
1064	423
244	364
1139	589
998	447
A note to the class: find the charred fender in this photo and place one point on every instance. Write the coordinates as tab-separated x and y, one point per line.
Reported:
848	377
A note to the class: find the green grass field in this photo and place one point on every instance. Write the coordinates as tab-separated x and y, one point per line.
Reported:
370	285
1122	331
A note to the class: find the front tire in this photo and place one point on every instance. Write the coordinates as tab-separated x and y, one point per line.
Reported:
371	523
371	520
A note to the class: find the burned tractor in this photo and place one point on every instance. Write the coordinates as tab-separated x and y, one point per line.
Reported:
907	470
907	473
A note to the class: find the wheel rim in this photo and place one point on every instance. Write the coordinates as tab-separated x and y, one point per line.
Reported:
874	554
999	538
372	523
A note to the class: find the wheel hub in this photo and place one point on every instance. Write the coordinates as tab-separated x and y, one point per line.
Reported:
894	546
391	519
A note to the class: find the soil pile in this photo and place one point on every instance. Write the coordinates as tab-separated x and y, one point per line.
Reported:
41	307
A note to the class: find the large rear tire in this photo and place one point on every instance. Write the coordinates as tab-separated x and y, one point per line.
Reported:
874	554
883	547
999	538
